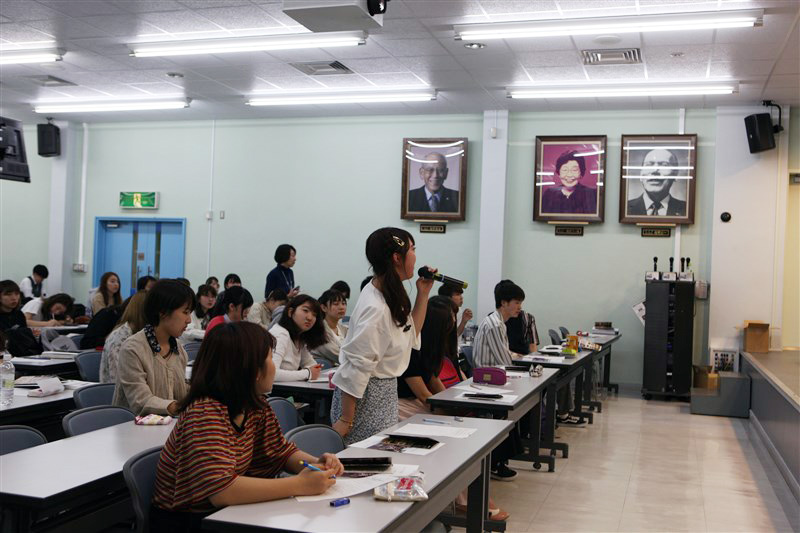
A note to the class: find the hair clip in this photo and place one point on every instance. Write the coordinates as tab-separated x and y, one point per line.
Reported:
398	241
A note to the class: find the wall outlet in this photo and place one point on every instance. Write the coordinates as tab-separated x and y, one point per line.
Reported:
724	360
222	215
78	267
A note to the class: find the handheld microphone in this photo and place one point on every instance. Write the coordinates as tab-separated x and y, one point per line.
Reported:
427	274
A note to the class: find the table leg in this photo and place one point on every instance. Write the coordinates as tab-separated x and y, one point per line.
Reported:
535	443
607	373
578	400
589	387
549	431
478	498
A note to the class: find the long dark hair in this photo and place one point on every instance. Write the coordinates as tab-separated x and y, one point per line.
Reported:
382	244
61	298
315	336
437	334
108	299
204	290
234	296
230	380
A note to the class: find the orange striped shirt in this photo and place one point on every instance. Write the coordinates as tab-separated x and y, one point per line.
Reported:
205	453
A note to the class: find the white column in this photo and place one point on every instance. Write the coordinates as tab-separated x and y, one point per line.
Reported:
63	219
493	208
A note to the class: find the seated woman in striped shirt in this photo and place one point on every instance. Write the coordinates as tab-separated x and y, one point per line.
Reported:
227	446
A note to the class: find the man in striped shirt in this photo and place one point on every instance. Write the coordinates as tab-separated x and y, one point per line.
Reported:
490	347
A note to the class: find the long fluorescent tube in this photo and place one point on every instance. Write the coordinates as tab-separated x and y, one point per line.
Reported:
612	90
99	106
40	55
610	25
293	41
344	97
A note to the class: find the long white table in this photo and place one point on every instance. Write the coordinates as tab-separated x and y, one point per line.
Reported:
459	464
80	476
44	414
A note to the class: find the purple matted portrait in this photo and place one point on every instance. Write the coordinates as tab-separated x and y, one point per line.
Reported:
434	180
569	179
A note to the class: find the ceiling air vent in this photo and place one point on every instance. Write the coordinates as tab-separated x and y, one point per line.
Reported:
612	56
49	81
321	68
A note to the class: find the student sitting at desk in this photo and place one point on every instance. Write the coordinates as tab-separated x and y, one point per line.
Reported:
49	312
334	306
33	286
10	314
235	305
101	325
145	283
201	316
456	293
107	293
227	446
262	313
490	347
131	322
151	368
299	331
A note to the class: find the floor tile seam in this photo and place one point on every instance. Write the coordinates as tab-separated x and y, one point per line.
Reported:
628	486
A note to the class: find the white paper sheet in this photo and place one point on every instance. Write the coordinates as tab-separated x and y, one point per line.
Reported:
435	430
345	487
539	358
369	441
323	376
509	398
47	386
489	389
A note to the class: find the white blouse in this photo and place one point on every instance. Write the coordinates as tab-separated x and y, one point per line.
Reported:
374	346
291	362
330	350
194	331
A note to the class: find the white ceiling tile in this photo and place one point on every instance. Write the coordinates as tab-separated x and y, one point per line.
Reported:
24	10
554	74
650	7
343	81
615	72
788	65
180	21
740	68
294	82
20	33
117	90
396	79
785	81
120	25
275	10
691	53
85	60
146	63
159	88
111	77
676	71
627	40
673	38
370	49
400	29
486	61
414	47
224	72
241	86
101	45
524	9
275	70
536	45
450	79
201	4
147	6
200	60
423	9
375	66
82	8
742	51
549	59
67	28
81	92
232	18
430	63
291	56
597	8
211	88
784	95
500	77
775	29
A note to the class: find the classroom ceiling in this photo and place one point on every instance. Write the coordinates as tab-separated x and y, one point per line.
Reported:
415	47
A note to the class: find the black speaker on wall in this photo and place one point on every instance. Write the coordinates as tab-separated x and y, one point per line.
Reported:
49	140
760	132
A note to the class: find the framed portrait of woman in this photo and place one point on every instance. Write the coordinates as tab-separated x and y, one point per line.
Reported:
658	179
569	178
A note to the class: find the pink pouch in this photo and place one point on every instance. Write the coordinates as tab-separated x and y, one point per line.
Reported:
489	375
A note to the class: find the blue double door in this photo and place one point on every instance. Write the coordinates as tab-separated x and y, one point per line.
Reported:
137	247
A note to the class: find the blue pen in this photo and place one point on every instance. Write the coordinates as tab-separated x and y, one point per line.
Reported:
312	467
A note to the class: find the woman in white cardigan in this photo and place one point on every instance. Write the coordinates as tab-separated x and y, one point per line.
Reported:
299	331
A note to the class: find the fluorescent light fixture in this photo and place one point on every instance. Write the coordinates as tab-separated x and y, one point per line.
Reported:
113	105
39	55
434	145
292	41
626	89
344	97
610	25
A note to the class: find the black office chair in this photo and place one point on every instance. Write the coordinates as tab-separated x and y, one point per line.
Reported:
564	331
89	365
94	395
316	439
94	418
286	413
554	338
16	438
140	476
191	349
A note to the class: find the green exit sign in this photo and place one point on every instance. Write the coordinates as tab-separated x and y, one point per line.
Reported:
138	200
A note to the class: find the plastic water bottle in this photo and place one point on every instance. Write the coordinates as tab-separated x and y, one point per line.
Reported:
6	381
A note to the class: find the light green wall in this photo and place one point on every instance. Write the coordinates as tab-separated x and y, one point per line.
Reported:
575	281
791	271
25	215
320	184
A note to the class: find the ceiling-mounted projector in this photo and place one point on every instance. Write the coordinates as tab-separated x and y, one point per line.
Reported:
337	15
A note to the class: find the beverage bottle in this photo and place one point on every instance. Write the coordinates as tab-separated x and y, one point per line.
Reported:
6	381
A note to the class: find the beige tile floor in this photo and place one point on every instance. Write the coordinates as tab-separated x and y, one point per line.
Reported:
651	466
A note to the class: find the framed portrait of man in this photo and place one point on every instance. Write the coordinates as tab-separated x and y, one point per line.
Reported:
434	182
569	178
658	178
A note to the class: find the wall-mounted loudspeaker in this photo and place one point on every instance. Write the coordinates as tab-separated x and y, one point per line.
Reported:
760	132
49	140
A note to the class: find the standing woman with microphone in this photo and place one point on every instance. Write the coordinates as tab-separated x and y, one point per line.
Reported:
382	331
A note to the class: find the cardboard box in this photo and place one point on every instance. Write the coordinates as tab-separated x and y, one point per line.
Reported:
705	378
756	336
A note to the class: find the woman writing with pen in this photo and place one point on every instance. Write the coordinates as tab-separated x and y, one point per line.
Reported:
383	329
227	446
